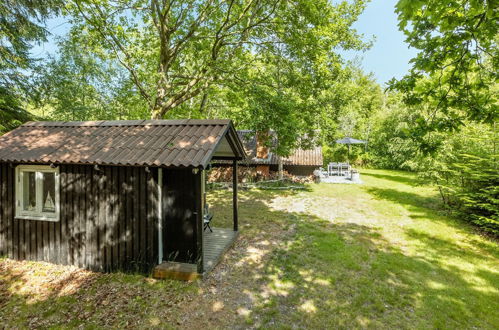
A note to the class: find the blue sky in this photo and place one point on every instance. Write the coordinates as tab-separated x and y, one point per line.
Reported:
57	27
388	57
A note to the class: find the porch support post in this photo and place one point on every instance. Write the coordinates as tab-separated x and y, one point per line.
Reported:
160	216
199	219
234	193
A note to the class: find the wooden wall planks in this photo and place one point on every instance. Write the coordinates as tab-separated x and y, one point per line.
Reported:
108	220
181	211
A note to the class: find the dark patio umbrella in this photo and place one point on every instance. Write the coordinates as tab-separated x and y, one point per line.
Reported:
348	141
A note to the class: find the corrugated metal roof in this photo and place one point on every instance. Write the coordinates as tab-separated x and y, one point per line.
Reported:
172	143
309	157
299	157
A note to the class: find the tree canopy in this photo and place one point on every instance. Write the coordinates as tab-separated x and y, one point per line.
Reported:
176	50
454	75
21	24
11	113
268	65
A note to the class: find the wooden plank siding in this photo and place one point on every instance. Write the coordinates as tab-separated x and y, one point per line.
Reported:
182	227
4	172
9	211
108	220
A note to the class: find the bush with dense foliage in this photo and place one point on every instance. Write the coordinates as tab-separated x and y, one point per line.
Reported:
391	146
466	172
463	164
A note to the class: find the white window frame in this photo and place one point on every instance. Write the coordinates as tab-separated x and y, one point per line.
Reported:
38	214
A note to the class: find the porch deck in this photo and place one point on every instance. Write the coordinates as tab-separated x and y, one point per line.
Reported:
215	244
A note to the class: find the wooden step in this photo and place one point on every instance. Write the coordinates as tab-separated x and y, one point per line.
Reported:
177	271
215	244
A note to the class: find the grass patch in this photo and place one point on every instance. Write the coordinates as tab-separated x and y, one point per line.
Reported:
381	255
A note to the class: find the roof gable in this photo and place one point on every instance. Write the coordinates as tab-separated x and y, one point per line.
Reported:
299	157
167	143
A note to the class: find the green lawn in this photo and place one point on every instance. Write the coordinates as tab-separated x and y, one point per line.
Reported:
380	254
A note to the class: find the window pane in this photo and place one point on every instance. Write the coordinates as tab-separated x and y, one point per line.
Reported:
29	191
48	191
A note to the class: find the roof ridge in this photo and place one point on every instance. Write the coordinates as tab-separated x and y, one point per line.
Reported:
166	143
129	123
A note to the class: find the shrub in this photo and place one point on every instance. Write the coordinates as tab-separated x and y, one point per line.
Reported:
466	173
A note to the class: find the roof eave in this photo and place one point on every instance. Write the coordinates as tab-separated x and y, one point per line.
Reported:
234	141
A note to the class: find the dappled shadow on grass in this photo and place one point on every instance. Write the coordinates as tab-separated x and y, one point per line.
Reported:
422	207
251	201
347	275
491	277
405	179
320	274
289	268
436	247
42	295
40	281
422	203
27	286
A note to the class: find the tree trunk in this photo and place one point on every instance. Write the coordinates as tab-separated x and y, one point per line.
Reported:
494	142
280	169
203	102
156	113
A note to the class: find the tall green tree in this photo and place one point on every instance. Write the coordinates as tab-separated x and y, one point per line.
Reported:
21	25
76	85
175	51
354	101
456	69
11	113
391	144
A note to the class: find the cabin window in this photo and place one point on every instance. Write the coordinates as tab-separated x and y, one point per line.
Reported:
37	192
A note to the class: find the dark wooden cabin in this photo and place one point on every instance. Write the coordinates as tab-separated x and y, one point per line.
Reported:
114	195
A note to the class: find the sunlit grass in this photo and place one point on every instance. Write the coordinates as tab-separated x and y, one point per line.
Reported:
381	255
